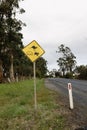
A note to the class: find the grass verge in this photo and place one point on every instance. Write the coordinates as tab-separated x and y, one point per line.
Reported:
17	107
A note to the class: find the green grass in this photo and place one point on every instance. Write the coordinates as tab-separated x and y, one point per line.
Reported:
17	107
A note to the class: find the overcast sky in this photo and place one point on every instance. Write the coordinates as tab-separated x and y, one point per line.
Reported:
55	22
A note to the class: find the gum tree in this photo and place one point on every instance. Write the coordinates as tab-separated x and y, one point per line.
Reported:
11	41
66	61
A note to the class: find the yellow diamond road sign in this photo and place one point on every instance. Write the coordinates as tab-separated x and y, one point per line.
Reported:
33	51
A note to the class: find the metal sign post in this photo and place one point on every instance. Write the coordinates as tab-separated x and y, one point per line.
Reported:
33	51
35	96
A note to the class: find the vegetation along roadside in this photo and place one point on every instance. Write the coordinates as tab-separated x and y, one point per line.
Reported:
17	107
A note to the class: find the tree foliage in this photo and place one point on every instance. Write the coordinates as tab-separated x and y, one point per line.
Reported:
66	61
41	67
11	38
82	71
12	59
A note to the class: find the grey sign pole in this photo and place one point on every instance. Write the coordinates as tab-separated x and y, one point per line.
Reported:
33	52
35	96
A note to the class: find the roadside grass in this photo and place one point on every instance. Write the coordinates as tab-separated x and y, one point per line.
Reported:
17	107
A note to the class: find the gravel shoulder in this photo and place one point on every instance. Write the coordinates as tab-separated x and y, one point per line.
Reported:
76	119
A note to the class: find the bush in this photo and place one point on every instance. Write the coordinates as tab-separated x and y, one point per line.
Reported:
69	75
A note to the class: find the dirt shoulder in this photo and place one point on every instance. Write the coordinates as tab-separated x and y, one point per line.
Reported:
76	119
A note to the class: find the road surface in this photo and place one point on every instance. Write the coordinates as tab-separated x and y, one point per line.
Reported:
79	88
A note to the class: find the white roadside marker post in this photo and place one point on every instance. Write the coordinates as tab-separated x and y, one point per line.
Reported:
70	96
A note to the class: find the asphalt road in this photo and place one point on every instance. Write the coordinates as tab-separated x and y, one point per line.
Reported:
79	89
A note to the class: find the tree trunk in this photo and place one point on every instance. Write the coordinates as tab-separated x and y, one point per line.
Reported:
63	70
1	71
70	69
11	69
